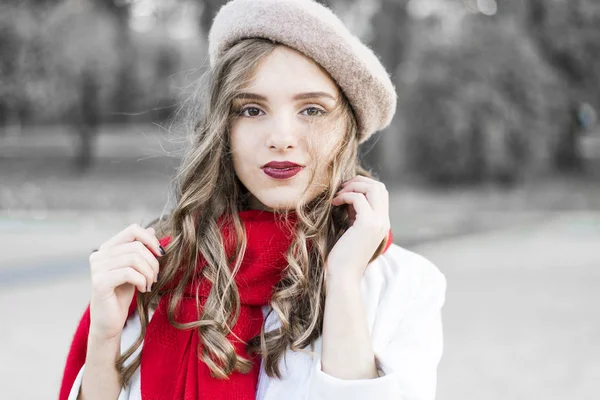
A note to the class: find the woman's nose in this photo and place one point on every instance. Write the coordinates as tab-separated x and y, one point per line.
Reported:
282	133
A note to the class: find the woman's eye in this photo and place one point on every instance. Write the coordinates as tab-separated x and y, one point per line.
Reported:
253	111
314	111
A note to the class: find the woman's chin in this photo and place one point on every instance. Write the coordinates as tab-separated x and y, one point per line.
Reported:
280	205
280	200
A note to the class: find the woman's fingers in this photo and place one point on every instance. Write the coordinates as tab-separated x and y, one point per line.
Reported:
135	261
357	200
124	262
132	233
375	192
373	195
138	248
130	248
118	277
369	199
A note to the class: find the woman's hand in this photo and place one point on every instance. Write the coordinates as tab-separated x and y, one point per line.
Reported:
368	202
121	264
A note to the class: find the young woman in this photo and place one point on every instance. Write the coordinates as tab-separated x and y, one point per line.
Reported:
275	276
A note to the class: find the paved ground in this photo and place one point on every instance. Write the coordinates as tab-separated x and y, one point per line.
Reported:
521	319
522	313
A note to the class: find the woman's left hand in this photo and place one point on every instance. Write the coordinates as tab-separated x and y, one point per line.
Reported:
368	210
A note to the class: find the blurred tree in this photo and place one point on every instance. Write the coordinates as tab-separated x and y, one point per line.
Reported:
389	41
10	40
207	14
126	89
392	35
18	47
327	3
161	57
479	104
568	36
82	67
60	65
166	62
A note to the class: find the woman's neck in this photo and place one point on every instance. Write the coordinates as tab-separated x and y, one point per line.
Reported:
255	204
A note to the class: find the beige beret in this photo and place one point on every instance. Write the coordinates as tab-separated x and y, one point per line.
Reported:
318	33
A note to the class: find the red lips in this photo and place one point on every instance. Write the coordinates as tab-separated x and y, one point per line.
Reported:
281	169
281	164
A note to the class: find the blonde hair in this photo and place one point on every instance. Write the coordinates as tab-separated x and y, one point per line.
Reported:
207	187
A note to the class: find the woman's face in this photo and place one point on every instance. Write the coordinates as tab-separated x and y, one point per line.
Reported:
284	116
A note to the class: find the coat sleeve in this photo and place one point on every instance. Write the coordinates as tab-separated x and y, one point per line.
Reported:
408	363
123	394
76	355
76	387
74	366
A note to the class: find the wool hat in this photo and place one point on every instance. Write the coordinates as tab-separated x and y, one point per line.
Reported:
314	30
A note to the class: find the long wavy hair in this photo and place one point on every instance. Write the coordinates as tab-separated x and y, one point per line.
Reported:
207	187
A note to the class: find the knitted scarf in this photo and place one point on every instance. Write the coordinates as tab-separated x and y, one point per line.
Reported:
170	367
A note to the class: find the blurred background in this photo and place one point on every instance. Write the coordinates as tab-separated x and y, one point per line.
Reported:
492	161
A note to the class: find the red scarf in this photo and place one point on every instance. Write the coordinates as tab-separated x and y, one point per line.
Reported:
170	368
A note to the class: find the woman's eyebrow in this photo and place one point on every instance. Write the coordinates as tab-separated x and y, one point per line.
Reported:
313	95
299	96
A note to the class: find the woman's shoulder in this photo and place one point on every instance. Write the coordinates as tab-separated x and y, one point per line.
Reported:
399	274
398	262
400	283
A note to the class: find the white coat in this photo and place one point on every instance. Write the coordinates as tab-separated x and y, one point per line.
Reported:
403	294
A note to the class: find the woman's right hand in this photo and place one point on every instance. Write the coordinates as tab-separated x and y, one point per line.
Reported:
124	263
